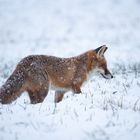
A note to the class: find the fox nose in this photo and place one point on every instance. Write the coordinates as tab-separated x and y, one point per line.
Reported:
111	76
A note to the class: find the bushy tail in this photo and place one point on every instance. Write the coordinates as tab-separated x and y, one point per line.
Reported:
12	87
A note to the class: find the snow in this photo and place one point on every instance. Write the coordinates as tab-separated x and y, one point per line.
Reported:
106	109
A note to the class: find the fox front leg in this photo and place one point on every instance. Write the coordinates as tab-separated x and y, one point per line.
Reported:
76	89
58	96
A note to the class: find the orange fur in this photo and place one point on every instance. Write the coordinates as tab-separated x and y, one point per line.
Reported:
37	73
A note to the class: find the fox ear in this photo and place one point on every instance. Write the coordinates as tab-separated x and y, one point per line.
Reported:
101	50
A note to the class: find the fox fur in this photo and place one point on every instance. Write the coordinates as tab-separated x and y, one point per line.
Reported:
36	74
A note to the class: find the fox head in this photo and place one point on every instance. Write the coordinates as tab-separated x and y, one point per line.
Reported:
101	64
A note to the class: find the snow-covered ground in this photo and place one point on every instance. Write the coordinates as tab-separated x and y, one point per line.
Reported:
107	109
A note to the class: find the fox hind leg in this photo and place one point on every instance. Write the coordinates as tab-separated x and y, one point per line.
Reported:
38	83
37	96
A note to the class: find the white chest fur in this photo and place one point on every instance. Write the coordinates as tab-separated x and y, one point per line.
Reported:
90	75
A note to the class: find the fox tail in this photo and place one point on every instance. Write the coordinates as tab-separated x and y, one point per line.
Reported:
12	88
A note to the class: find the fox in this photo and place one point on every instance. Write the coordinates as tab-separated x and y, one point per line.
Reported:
37	74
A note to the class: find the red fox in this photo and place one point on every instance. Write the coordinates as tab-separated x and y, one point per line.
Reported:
36	74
